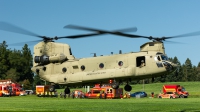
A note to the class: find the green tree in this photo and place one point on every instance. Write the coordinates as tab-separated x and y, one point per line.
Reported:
188	73
27	64
198	72
27	84
12	74
4	65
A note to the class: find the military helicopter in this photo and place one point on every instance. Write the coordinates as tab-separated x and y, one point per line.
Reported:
54	62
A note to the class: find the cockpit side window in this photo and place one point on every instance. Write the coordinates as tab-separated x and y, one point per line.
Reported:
158	57
140	61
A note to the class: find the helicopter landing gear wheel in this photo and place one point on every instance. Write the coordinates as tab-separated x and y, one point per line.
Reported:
127	87
115	85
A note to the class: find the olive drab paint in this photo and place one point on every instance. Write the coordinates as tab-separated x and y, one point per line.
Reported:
54	62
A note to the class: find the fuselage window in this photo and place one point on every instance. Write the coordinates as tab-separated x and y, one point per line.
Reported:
82	67
44	68
64	70
120	63
140	61
158	58
101	65
70	51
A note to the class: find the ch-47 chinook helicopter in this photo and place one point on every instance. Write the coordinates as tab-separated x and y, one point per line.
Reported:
54	62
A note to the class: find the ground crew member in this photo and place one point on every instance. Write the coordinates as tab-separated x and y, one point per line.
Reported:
67	92
152	94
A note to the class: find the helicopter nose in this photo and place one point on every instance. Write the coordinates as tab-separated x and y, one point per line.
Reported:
175	65
170	66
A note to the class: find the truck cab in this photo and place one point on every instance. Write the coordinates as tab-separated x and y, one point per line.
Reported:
180	90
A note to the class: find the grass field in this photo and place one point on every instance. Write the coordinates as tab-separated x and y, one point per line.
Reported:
33	103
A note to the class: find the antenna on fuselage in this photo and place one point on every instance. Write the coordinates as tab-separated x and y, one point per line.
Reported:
94	54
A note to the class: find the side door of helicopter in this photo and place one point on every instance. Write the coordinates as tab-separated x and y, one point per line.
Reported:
141	64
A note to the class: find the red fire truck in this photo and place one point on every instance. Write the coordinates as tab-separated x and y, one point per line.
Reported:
105	91
180	90
15	88
45	91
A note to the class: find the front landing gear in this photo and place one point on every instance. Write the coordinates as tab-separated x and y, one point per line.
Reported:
115	85
127	87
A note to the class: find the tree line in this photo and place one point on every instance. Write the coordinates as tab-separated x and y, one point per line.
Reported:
16	65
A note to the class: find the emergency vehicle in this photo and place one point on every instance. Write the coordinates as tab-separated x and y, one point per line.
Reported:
180	90
104	91
45	91
15	88
168	95
4	90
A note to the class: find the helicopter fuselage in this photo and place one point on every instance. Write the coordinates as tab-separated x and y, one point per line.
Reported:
55	63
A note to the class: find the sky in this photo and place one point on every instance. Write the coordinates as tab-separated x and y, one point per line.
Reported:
151	17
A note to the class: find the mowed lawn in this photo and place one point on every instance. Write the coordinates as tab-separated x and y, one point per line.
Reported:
34	103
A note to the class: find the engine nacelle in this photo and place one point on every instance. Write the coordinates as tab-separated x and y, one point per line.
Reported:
44	59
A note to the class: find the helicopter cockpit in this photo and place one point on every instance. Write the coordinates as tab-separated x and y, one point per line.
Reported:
162	57
163	61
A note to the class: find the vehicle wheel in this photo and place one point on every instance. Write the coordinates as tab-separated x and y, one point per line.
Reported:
115	85
51	88
181	96
127	88
160	97
171	97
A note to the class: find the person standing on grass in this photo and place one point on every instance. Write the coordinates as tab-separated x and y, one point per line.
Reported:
73	94
79	94
105	95
10	89
66	92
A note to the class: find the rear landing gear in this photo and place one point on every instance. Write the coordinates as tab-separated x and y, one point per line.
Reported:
127	87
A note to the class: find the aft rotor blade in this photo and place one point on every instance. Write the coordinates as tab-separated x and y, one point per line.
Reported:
22	43
12	28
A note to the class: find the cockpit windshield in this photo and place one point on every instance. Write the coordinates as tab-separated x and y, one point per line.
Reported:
164	57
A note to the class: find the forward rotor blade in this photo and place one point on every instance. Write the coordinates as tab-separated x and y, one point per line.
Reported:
185	35
173	42
12	28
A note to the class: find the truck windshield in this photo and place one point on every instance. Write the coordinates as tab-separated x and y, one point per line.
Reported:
183	89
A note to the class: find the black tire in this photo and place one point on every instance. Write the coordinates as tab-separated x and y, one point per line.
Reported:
115	85
127	88
160	97
51	88
181	96
171	97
